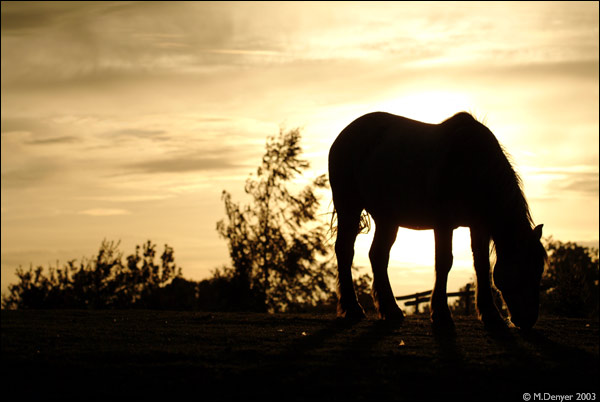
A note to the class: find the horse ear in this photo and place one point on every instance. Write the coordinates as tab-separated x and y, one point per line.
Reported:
538	231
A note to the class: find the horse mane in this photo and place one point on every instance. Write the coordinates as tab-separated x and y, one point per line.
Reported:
500	180
524	205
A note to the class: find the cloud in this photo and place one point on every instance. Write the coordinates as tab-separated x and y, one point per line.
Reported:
584	183
577	179
22	124
19	20
36	131
104	212
184	163
104	42
34	174
54	140
182	44
127	198
583	68
158	135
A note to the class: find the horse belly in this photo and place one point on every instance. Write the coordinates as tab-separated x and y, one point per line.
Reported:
406	199
410	193
404	212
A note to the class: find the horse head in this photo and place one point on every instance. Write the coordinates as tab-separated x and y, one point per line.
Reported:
518	275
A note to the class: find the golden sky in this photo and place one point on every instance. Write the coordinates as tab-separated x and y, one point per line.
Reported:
126	120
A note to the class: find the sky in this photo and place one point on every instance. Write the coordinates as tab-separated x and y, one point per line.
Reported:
126	120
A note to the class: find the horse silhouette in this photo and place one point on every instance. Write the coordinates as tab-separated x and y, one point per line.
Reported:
417	175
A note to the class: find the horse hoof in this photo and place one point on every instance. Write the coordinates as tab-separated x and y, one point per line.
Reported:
495	323
393	317
353	314
443	323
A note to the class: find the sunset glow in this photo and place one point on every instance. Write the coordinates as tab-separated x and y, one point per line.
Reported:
127	120
429	106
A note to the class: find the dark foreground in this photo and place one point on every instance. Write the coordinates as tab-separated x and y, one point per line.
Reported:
151	355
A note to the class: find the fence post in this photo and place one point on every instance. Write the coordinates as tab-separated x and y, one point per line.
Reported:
468	299
416	303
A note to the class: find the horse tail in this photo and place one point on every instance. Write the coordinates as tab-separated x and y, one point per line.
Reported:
364	224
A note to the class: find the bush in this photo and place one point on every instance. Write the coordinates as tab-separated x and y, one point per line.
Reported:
570	283
100	282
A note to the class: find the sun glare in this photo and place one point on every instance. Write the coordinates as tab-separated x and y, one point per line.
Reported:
413	254
428	106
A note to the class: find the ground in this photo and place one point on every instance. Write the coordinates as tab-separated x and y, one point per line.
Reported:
141	355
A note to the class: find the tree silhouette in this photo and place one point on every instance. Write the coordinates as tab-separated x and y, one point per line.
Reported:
570	283
100	282
276	243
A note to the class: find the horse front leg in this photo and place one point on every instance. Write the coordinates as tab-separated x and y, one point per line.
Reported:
440	313
488	313
379	254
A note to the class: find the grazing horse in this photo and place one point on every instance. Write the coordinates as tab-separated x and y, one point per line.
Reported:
416	175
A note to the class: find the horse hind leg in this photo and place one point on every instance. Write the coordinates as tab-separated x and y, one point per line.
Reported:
379	254
347	230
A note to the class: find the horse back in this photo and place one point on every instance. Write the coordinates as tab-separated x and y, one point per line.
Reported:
407	170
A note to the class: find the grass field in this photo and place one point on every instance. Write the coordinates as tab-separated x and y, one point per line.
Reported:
158	355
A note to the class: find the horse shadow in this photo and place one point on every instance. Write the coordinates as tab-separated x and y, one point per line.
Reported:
373	357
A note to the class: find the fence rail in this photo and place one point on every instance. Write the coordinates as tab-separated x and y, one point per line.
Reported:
416	299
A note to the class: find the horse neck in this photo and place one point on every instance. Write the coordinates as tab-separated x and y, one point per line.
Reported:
511	223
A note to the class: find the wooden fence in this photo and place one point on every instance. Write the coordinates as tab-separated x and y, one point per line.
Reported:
423	297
